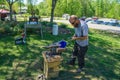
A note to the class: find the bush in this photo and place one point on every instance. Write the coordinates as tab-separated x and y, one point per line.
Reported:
7	27
21	25
13	23
4	29
63	25
51	24
44	23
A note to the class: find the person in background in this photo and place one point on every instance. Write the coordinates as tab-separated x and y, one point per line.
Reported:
33	19
21	40
23	36
81	42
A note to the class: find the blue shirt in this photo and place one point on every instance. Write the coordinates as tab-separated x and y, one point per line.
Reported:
82	30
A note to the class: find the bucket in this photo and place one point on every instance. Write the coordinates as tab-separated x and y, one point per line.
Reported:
55	29
63	44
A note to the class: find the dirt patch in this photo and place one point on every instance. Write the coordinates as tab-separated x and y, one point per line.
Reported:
60	30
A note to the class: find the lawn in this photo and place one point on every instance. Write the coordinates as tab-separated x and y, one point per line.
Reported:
24	62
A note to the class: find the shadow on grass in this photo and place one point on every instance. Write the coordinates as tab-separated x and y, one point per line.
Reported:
102	62
70	75
19	61
25	61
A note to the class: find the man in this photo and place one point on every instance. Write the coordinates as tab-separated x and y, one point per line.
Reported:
81	42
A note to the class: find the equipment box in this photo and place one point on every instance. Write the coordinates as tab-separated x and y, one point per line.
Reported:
51	65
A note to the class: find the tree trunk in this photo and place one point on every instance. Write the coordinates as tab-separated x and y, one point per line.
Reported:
10	7
10	12
52	15
52	10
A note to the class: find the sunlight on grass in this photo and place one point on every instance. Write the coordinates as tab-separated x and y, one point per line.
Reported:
24	61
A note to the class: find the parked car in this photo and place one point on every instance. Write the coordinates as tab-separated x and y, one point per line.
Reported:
66	16
118	25
94	19
105	23
99	22
113	22
88	19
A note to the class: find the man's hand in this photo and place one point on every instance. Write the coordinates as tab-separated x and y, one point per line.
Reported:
74	38
80	38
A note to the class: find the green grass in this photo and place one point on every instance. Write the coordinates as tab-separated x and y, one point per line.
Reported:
24	61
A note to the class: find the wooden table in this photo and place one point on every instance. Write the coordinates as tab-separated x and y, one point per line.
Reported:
28	25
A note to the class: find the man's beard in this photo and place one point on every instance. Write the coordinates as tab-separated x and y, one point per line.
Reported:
76	25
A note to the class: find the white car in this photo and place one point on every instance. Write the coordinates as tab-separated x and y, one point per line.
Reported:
66	16
113	22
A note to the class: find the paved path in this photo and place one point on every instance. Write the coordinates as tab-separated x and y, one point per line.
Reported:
113	29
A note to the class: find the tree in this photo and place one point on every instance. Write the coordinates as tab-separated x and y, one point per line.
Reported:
11	2
88	8
42	8
1	6
20	3
31	5
2	3
52	9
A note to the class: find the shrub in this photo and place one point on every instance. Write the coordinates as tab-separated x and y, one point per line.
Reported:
51	24
2	30
21	25
45	23
5	29
8	29
13	23
62	25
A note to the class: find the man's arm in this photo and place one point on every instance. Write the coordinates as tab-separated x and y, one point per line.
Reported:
80	38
